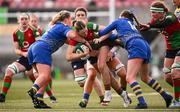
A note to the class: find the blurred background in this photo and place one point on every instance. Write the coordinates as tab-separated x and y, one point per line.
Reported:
100	11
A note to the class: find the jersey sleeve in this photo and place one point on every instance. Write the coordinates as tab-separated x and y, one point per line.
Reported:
93	26
41	31
72	42
36	32
15	39
108	28
66	30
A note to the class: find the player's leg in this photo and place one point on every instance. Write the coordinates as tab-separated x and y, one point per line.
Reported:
131	78
44	71
12	69
117	87
144	72
176	81
119	69
104	70
91	76
167	70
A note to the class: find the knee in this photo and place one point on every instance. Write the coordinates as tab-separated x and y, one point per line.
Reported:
101	66
80	80
175	70
92	75
9	73
130	79
122	73
12	69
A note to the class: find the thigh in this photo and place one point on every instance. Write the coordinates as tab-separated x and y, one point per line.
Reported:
104	50
43	69
134	66
168	62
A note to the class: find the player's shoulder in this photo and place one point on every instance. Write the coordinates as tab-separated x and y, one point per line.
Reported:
92	26
16	30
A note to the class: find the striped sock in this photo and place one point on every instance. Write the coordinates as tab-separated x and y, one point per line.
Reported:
101	98
138	92
48	90
50	83
39	96
35	87
156	86
6	85
176	84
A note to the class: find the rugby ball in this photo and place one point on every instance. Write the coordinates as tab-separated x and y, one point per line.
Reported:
81	48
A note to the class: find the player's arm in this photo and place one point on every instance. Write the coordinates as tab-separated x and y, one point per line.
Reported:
17	47
18	50
104	37
73	35
71	55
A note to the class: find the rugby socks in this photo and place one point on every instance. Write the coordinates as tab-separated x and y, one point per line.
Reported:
101	98
50	83
120	90
39	96
48	90
176	84
6	85
138	92
86	96
156	86
35	87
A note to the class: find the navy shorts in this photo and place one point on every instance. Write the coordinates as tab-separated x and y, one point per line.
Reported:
178	54
171	53
24	61
93	60
78	64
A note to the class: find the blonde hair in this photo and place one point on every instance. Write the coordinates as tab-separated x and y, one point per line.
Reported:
60	17
23	15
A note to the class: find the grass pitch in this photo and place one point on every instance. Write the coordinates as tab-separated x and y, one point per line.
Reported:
69	94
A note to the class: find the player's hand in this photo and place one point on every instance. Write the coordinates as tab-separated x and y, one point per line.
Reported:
25	54
97	41
93	53
143	27
88	45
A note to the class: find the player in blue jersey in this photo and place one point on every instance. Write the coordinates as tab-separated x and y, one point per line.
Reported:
39	54
138	56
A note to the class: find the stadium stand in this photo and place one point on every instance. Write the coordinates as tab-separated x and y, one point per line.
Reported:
72	3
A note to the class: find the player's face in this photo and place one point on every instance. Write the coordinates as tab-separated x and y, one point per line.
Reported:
69	21
80	15
157	15
83	32
176	2
34	22
23	21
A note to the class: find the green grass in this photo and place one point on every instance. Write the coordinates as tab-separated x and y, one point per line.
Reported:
69	94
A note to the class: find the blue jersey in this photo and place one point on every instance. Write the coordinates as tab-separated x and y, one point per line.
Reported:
124	27
136	46
56	36
52	40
